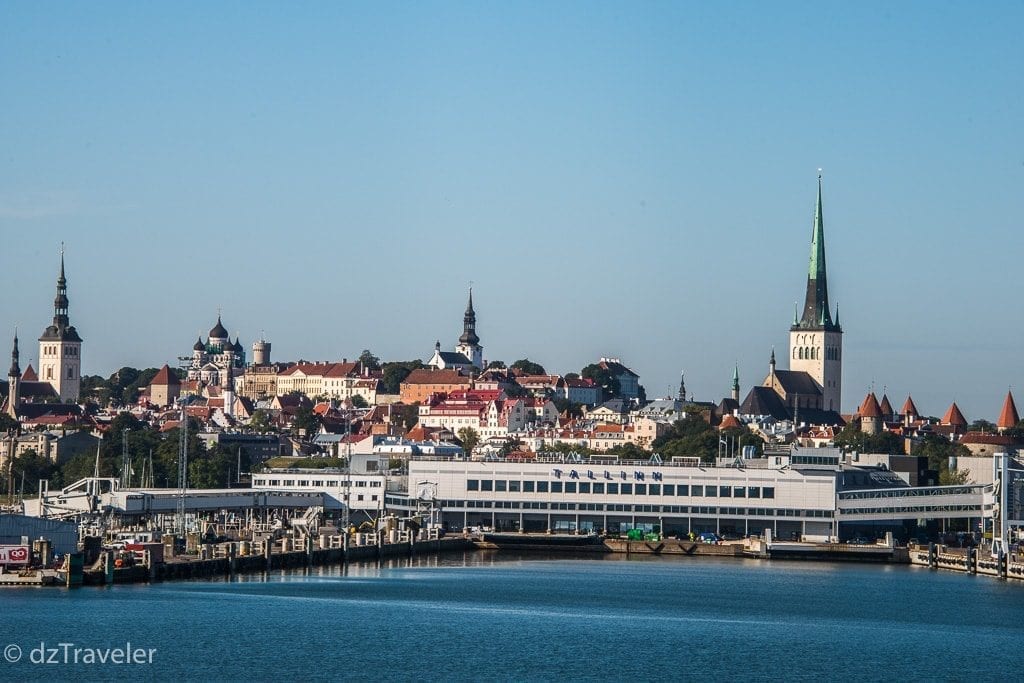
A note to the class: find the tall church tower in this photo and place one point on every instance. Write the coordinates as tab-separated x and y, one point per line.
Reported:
14	381
60	347
815	340
469	343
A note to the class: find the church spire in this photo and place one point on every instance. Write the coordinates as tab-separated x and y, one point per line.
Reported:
736	382
60	303
816	313
15	370
682	387
469	324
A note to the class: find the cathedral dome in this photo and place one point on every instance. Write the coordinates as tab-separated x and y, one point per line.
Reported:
238	346
218	331
199	345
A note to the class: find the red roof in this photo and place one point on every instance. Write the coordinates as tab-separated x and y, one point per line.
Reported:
29	375
885	406
166	378
870	407
729	422
1008	417
436	377
909	408
954	417
989	439
323	369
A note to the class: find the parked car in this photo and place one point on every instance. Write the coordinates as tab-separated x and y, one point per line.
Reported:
708	537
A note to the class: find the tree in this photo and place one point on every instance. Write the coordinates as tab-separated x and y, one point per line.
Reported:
131	392
260	421
851	438
691	436
405	416
740	437
601	377
306	420
509	447
470	439
358	401
395	373
567	448
982	426
496	365
525	366
7	423
1016	432
954	478
938	449
369	361
30	467
628	451
564	405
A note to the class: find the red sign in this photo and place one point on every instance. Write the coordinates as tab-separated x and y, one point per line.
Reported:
14	554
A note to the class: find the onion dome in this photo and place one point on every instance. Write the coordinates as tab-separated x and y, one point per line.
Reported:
238	346
199	345
218	331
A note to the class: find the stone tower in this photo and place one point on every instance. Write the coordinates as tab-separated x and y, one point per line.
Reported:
60	347
815	340
469	342
261	352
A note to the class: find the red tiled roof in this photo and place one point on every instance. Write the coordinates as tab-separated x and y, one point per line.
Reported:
166	378
730	422
983	438
909	408
1008	417
954	417
322	369
436	377
29	375
885	406
870	407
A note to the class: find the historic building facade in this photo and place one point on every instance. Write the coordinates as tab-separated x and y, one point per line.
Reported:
60	347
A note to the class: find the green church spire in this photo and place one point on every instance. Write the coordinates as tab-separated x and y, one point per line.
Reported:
816	310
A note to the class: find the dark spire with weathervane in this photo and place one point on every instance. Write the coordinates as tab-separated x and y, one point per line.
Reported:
61	329
816	315
15	370
469	324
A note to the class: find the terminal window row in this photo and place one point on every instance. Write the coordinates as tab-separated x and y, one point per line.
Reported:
316	483
711	510
602	488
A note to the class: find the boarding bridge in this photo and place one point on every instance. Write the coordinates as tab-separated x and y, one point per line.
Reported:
93	495
919	502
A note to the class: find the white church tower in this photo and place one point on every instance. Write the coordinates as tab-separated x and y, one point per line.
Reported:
469	342
60	347
815	340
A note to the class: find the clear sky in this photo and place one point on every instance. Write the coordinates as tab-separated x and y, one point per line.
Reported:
623	179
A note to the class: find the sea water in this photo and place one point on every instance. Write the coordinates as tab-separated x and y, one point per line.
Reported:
496	616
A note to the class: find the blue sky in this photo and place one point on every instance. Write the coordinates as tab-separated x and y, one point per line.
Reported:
634	180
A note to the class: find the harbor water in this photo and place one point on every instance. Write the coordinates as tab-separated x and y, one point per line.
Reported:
489	615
